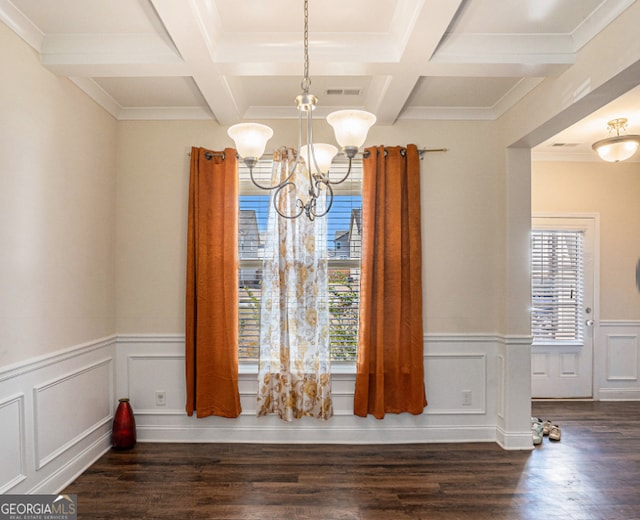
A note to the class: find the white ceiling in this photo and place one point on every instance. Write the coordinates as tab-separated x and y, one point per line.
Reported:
233	60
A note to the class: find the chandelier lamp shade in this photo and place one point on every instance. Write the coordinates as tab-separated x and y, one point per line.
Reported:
620	147
251	140
350	128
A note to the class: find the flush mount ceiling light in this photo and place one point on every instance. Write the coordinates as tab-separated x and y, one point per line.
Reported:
620	147
350	127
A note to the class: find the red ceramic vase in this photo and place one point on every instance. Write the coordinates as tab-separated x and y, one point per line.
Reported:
124	427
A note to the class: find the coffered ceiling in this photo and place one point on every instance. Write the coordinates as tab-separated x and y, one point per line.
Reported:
234	60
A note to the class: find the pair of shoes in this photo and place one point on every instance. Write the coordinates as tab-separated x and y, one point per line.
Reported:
554	432
536	430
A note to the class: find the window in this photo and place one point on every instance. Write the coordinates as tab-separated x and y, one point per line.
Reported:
557	286
344	246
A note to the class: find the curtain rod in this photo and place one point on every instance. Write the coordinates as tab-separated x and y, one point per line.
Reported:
421	152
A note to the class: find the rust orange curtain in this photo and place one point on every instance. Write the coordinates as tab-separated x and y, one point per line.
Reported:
390	370
211	338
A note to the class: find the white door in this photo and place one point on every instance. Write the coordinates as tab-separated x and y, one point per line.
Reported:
563	313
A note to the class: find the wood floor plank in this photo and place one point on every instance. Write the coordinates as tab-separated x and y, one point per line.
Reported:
592	473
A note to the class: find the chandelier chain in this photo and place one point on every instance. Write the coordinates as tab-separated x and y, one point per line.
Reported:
306	82
315	162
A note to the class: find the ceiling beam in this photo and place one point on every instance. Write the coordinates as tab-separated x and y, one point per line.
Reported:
430	24
187	30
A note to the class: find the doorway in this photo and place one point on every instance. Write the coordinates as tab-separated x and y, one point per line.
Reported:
563	310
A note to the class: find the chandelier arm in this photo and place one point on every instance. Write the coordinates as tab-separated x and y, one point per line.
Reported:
274	187
329	181
309	208
329	190
312	192
276	196
299	130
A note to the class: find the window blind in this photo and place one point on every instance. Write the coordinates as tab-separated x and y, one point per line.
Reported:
557	286
344	231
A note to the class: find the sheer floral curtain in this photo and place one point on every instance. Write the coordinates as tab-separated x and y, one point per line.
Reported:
390	363
294	366
211	337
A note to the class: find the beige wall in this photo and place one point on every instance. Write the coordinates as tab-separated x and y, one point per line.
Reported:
612	191
462	212
63	219
57	202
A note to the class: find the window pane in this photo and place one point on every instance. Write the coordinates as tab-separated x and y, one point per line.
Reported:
344	306
249	313
252	223
344	227
251	228
343	245
556	285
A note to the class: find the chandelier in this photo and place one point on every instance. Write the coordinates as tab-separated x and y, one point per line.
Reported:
620	147
350	128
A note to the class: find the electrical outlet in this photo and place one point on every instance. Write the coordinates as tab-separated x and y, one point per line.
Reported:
466	398
161	398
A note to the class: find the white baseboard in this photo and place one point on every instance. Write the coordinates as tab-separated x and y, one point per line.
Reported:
337	435
514	441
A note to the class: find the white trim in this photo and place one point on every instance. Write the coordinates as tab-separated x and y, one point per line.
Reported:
339	435
21	25
150	338
514	441
31	365
98	94
428	337
164	114
500	405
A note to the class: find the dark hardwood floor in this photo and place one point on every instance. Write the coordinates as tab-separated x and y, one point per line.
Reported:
592	473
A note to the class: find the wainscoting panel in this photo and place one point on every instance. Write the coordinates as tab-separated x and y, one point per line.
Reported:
622	357
56	402
12	469
56	414
145	385
618	367
457	382
461	378
540	364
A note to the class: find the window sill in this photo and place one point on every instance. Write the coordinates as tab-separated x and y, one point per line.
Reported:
557	343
